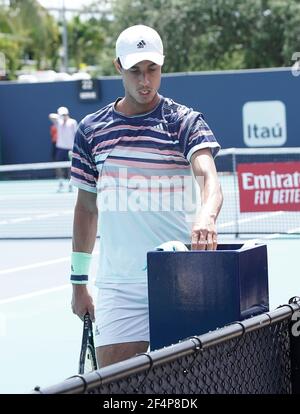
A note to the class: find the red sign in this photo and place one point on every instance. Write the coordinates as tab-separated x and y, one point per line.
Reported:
269	186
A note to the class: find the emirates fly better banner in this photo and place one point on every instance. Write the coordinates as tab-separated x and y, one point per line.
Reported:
269	186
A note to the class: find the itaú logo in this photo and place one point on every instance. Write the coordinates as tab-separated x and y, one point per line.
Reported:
264	123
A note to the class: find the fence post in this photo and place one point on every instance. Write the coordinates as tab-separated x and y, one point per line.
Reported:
236	192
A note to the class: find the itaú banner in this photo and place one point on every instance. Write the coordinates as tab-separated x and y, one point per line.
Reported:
269	186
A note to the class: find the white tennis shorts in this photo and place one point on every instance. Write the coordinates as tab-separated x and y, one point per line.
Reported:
121	314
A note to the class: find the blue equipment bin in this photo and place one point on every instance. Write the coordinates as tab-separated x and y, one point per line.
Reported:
193	292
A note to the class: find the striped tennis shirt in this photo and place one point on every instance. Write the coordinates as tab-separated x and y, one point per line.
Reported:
139	166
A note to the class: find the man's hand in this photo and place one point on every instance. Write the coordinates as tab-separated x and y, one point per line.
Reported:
204	233
82	302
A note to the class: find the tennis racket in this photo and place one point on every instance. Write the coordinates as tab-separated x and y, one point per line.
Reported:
87	360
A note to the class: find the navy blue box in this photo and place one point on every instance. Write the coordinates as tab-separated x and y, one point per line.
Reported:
193	292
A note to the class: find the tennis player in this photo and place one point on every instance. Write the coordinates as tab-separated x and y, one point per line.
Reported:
66	129
131	162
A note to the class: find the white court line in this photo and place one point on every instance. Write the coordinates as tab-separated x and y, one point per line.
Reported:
245	220
33	294
37	217
39	293
42	216
39	264
20	220
34	265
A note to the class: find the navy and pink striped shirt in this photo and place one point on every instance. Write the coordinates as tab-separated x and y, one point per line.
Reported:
140	167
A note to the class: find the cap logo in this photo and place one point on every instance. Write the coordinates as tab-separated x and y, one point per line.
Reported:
141	44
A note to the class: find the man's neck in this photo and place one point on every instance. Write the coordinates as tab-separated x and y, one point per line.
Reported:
129	107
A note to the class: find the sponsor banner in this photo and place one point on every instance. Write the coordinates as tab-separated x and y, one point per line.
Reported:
269	186
264	124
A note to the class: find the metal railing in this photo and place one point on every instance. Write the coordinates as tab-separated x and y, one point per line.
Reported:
259	355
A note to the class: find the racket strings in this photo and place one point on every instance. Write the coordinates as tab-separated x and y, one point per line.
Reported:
87	361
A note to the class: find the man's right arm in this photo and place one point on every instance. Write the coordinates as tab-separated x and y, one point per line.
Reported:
84	236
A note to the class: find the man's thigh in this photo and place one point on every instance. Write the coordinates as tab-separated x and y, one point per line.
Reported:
110	354
122	321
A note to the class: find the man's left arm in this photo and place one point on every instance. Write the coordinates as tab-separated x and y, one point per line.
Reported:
204	233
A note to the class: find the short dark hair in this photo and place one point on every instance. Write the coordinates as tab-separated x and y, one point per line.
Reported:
119	62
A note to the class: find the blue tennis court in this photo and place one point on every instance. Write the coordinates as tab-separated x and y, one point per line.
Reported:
40	337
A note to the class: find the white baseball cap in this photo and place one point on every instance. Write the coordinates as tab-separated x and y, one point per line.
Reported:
62	110
137	43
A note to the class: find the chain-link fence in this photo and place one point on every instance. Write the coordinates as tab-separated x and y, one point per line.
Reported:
260	355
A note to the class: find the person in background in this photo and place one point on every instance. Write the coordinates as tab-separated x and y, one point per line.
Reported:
66	129
121	154
53	135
